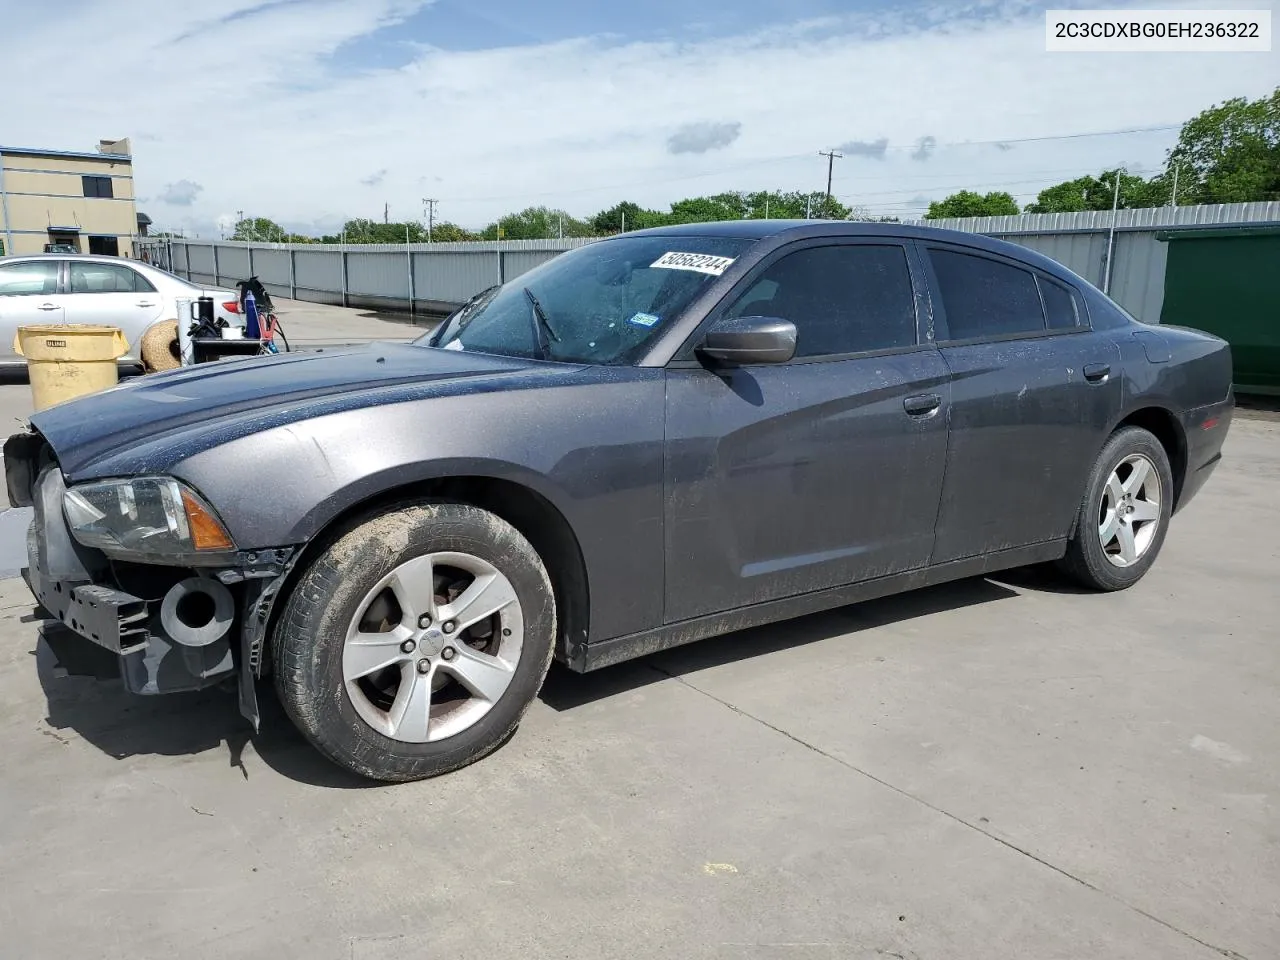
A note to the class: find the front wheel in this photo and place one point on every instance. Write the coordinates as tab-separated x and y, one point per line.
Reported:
1125	512
414	644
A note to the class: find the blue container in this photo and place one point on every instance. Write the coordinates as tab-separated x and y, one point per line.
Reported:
252	329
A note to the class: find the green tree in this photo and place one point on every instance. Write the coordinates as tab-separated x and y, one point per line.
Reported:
720	206
537	223
1230	153
967	203
375	231
446	232
794	205
258	228
620	216
1098	193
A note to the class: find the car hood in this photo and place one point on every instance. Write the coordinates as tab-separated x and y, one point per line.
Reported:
177	413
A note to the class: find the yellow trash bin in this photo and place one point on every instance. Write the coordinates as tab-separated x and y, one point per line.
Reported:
69	360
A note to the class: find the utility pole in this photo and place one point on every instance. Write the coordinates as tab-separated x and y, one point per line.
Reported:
1111	235
832	157
808	207
562	226
429	210
239	220
386	213
624	222
1173	199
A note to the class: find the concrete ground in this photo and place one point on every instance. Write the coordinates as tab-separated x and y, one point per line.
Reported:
1000	767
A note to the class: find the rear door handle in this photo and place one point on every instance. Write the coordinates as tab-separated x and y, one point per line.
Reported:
48	306
1097	372
923	405
146	303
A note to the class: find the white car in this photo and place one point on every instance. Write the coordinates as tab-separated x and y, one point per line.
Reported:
70	288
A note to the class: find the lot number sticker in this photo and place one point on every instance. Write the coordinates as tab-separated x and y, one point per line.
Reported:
697	262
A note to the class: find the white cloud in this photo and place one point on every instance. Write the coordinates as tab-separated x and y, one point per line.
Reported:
182	193
703	136
924	148
875	149
245	98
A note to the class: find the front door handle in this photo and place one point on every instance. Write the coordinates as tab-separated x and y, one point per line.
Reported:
922	406
1097	372
48	306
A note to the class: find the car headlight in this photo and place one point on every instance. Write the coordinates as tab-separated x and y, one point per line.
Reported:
155	517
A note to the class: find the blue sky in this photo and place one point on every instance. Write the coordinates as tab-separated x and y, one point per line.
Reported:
311	112
487	24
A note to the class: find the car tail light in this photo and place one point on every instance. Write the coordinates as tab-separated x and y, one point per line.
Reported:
231	306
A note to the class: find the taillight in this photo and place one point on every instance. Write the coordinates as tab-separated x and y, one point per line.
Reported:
231	306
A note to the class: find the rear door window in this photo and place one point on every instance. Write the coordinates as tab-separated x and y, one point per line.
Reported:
88	277
33	277
1059	305
985	298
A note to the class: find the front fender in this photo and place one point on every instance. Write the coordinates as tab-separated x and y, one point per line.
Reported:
594	451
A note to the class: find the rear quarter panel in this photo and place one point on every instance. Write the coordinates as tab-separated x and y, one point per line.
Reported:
1196	373
1188	374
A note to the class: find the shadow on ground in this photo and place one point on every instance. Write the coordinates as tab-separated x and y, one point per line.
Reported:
84	694
565	690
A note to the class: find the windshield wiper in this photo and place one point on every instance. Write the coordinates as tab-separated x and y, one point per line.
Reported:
542	328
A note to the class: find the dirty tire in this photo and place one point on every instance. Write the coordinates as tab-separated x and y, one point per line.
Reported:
1086	561
307	646
159	350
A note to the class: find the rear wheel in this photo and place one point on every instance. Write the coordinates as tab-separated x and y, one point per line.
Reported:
1125	512
415	643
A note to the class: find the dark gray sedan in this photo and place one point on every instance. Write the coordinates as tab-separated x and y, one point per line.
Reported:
649	440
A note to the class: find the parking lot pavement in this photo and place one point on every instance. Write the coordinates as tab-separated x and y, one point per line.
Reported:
998	767
312	325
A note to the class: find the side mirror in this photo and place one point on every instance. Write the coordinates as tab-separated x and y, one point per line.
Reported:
750	340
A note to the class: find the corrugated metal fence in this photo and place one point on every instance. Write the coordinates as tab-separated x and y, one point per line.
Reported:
1134	277
436	277
429	278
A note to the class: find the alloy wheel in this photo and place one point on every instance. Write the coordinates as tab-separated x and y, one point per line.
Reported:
432	647
1129	514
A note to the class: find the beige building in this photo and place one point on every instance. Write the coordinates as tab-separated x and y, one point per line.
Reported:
80	200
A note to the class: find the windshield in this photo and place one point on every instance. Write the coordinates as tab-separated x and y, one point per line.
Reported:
600	304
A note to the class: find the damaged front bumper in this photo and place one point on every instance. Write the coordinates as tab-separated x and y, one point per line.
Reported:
173	629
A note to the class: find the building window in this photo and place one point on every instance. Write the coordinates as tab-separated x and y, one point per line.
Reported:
97	187
105	246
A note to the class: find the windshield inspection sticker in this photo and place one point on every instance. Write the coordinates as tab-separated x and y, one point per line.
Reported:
644	320
697	262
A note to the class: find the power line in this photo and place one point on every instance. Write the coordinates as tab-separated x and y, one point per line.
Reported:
955	173
953	186
635	183
797	156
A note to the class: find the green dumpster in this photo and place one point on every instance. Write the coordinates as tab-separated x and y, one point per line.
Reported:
1227	282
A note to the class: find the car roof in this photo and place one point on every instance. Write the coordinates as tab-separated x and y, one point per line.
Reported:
88	257
787	230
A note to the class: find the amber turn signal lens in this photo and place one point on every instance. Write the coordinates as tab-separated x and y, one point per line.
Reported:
206	531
